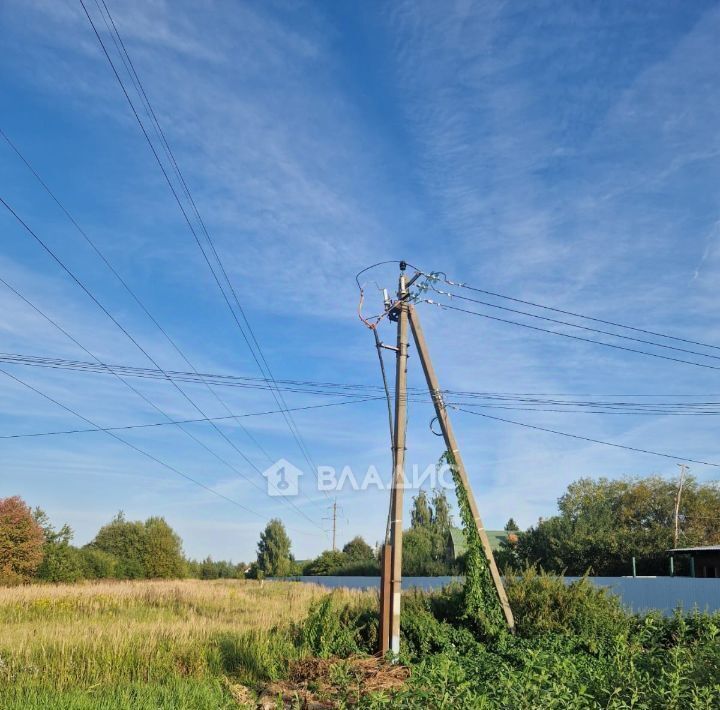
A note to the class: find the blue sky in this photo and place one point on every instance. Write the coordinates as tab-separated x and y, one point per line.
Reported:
566	153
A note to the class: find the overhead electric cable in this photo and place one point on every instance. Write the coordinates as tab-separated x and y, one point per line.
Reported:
587	438
569	313
568	335
584	410
177	422
334	389
84	288
266	372
574	325
132	446
124	284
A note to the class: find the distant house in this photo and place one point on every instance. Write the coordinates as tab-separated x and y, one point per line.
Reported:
704	561
456	545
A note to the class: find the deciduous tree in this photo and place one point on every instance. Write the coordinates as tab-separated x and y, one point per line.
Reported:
143	550
421	514
21	542
357	550
163	551
602	524
61	561
273	550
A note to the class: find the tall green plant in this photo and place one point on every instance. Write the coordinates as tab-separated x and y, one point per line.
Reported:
481	605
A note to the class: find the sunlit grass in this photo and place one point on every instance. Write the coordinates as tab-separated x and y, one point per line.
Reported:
110	637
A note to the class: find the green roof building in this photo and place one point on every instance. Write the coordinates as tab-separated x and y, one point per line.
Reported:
457	544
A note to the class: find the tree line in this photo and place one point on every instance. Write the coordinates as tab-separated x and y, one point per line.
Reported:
600	526
31	548
424	548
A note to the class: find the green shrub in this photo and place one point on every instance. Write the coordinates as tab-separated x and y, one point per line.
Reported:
423	633
62	563
543	603
333	628
97	564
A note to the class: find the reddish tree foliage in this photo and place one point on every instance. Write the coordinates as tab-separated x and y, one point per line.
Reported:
21	542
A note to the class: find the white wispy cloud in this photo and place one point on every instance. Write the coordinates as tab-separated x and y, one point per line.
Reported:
556	154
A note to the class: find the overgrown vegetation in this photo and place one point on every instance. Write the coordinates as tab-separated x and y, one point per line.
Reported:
356	558
481	605
575	647
226	643
192	644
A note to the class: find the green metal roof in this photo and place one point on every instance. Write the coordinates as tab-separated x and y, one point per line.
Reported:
496	537
458	544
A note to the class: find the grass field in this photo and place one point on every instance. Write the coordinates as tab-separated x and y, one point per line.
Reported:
175	644
205	645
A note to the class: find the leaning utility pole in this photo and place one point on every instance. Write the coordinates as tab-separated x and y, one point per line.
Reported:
403	313
676	535
398	481
452	447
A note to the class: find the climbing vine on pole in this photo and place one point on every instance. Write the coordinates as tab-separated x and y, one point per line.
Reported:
481	607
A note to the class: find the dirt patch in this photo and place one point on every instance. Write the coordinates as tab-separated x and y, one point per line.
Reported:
242	695
320	683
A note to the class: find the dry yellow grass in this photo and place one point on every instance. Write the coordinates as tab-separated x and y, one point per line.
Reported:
146	631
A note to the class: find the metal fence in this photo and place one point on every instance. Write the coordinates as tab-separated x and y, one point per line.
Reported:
664	594
639	594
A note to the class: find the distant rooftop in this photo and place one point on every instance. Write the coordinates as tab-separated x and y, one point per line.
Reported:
704	548
458	543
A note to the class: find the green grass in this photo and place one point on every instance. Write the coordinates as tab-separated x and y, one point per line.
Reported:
178	693
174	644
575	647
205	645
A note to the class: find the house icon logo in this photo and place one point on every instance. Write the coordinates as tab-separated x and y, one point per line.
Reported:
283	478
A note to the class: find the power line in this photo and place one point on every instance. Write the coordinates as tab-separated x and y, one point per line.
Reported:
585	438
574	325
266	372
568	335
435	276
147	399
631	412
131	445
500	399
84	288
121	280
177	422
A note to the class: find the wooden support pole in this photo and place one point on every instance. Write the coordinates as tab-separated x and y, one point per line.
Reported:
452	447
398	483
384	631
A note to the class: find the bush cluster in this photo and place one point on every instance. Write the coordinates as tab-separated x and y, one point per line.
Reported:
574	647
